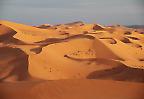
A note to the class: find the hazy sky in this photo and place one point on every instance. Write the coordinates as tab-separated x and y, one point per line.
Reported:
126	12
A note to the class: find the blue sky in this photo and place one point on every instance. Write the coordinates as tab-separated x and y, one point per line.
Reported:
34	12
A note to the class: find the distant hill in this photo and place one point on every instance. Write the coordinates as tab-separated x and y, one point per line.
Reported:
136	26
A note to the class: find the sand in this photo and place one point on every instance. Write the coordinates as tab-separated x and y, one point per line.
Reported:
74	60
72	89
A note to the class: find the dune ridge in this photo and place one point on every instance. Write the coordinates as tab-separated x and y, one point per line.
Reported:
104	46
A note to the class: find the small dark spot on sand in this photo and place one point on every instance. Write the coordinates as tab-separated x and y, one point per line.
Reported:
141	59
127	33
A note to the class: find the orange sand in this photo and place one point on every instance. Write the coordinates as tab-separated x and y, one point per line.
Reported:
74	56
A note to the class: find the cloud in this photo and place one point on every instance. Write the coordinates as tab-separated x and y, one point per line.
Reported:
107	11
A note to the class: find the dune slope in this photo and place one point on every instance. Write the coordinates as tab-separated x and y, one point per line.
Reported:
72	89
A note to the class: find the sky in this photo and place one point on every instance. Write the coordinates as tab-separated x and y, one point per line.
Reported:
106	12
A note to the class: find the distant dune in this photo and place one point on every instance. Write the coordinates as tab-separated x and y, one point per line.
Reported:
136	26
71	61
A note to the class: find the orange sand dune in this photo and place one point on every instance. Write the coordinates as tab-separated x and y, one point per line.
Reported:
76	51
13	62
72	89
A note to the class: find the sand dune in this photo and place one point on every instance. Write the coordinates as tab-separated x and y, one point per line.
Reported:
29	55
6	32
14	64
72	89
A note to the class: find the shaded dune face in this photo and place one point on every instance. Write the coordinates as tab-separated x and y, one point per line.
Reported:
83	52
6	32
13	64
121	73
